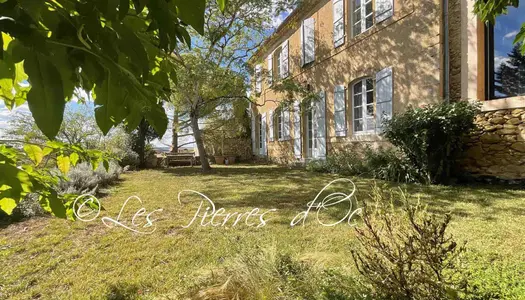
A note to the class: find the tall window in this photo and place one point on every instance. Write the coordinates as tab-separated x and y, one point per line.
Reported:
362	16
506	64
363	106
277	63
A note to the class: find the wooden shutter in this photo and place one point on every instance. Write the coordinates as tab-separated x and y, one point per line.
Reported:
384	10
320	126
339	22
270	124
284	60
384	95
258	79
254	141
308	41
340	110
286	123
270	69
263	135
297	139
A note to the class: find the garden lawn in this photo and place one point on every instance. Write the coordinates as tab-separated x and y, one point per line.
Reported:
52	258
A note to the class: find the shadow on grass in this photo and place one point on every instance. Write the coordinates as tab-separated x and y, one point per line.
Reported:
124	292
285	188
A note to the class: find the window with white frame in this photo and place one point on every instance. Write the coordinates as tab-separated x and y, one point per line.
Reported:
261	135
340	110
363	106
362	16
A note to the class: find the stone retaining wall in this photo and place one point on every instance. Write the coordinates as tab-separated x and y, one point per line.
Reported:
497	147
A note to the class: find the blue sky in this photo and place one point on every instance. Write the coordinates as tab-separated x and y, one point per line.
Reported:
505	30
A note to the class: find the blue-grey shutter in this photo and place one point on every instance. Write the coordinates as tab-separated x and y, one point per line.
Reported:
384	10
284	60
320	126
339	22
384	95
297	139
263	135
340	110
270	124
270	69
286	123
254	141
308	41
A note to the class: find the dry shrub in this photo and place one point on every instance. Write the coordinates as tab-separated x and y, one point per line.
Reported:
407	255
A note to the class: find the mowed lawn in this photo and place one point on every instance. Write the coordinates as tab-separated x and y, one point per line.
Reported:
57	259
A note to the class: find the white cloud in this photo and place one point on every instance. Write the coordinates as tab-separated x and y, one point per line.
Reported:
511	35
498	60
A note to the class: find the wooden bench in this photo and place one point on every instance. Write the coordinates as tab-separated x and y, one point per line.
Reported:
180	157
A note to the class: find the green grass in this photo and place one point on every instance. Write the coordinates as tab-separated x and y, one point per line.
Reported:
53	258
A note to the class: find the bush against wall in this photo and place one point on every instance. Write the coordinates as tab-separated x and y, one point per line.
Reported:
432	137
383	163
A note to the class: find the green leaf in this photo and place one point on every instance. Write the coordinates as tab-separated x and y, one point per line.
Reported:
192	13
7	205
46	97
63	164
74	158
158	120
54	204
106	165
222	4
131	45
123	9
109	102
35	153
1	48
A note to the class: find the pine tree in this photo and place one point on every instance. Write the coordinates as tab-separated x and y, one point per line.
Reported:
510	75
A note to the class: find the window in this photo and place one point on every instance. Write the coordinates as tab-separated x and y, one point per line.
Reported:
363	106
505	65
310	132
362	16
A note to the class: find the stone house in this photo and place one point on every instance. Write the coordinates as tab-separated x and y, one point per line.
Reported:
370	59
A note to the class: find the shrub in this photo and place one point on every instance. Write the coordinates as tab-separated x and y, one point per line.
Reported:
385	164
81	179
408	255
432	137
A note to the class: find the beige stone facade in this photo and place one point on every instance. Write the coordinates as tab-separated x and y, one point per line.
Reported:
428	61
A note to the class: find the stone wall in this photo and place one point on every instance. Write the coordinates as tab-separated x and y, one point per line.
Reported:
497	147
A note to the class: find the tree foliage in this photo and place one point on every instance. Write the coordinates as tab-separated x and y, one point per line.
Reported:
509	75
488	10
118	51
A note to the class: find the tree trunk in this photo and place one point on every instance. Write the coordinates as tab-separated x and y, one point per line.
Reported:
175	132
200	144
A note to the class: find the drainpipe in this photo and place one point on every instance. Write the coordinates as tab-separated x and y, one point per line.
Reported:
446	53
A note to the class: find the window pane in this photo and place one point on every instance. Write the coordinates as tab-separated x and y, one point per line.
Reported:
369	21
357	4
369	84
370	124
358	125
358	100
509	63
370	110
370	97
358	113
357	28
369	8
358	88
357	16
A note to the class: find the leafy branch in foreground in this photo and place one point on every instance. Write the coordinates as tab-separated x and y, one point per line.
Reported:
488	10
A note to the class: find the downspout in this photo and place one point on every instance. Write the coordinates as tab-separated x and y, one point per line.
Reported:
446	53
